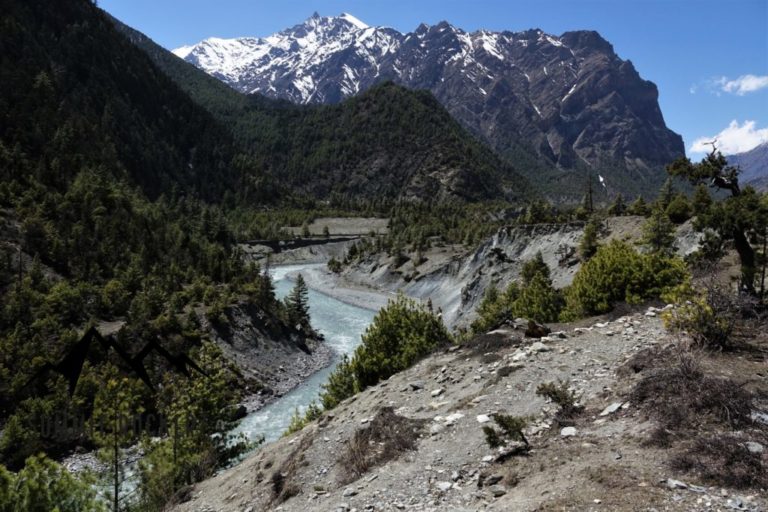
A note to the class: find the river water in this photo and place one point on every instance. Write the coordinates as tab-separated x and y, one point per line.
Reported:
341	324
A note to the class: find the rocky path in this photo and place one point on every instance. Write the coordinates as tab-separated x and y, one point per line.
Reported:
598	463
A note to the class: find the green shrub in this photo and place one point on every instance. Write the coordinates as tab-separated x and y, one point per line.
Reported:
401	334
43	486
340	386
560	394
618	273
494	309
512	426
708	315
334	266
538	301
679	209
492	437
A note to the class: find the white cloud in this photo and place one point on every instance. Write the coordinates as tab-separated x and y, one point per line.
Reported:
733	139
743	85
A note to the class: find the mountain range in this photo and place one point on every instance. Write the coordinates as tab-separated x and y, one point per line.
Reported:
556	106
753	165
387	143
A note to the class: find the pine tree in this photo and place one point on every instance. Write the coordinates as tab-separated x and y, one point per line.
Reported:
534	267
659	232
619	206
639	207
588	245
701	201
666	194
297	303
116	410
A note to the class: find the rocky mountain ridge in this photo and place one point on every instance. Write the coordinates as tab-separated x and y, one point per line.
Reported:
753	165
557	104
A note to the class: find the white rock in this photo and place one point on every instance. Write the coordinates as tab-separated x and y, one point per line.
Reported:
538	347
615	406
436	429
568	431
676	484
453	418
519	357
754	447
437	392
444	486
483	418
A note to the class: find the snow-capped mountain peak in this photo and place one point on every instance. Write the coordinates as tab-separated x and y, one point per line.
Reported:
351	19
288	60
550	88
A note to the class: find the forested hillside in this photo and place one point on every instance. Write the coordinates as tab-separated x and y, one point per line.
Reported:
112	183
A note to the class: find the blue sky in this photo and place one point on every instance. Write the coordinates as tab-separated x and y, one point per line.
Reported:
708	58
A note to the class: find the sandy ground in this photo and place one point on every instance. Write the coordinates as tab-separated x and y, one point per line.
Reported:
320	279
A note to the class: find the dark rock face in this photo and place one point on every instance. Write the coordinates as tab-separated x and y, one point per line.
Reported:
558	104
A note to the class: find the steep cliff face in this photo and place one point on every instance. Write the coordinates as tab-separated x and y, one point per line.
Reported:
554	104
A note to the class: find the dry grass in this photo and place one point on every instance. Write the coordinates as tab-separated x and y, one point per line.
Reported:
681	396
385	438
705	420
723	460
282	480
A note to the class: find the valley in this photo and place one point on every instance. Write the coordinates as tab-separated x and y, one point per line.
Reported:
464	266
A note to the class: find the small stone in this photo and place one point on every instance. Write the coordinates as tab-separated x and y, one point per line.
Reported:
497	491
416	385
488	458
444	486
519	357
436	428
539	347
493	480
611	409
676	484
568	431
754	447
483	418
453	418
437	392
349	492
597	501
